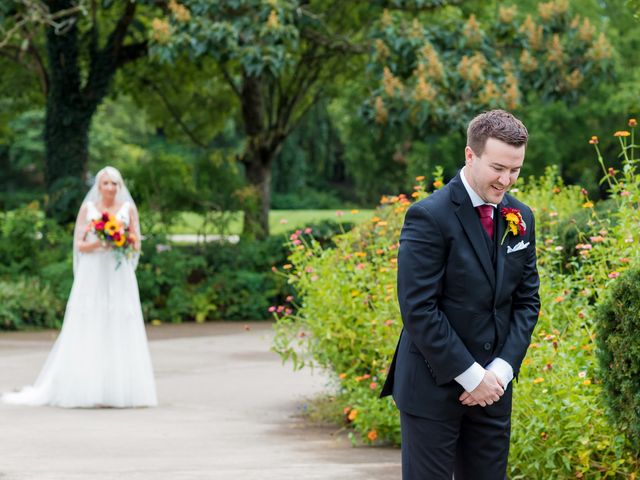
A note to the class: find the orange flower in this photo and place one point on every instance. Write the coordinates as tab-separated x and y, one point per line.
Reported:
538	380
352	415
342	376
587	382
621	133
633	122
437	184
373	385
420	178
372	435
594	140
415	194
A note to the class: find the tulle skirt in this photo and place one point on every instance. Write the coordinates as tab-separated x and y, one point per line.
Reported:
101	356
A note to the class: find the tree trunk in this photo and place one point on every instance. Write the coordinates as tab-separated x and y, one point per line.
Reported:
66	131
256	209
257	158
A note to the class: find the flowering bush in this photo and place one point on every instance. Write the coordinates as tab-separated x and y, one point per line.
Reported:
348	323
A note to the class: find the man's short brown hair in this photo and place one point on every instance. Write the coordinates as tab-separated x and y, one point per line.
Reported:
496	124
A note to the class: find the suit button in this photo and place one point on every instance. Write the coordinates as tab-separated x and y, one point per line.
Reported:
487	346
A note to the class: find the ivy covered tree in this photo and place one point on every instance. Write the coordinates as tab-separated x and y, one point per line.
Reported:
75	48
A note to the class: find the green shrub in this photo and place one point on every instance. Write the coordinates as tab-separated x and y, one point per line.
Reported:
26	303
19	239
618	337
163	275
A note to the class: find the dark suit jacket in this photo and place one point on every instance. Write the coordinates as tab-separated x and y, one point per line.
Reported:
457	305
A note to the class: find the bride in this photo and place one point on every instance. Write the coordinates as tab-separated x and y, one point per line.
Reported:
101	357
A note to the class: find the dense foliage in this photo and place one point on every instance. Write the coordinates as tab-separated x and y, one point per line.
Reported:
203	282
560	426
618	337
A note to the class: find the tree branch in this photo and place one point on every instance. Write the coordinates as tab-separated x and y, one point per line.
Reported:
230	81
117	36
174	113
131	52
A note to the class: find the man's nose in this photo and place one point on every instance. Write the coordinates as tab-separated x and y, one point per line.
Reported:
504	179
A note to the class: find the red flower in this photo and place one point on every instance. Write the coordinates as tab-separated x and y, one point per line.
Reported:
105	217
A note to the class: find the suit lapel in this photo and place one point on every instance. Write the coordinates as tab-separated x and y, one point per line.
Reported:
502	249
472	226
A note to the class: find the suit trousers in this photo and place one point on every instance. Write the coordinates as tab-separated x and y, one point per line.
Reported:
474	446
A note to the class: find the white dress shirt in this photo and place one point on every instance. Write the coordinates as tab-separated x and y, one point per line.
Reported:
472	376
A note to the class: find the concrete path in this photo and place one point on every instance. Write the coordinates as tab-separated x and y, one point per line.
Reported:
228	409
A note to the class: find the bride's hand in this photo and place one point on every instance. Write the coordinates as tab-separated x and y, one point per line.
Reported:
88	247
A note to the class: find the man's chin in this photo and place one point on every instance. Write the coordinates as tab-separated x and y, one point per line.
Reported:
496	197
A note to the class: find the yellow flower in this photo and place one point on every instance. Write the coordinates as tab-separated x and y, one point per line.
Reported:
111	227
587	382
120	241
181	12
161	30
587	205
538	380
621	133
512	218
273	21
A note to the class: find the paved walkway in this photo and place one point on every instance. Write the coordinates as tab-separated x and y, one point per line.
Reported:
228	409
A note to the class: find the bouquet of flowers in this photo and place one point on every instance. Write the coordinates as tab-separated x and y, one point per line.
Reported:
114	234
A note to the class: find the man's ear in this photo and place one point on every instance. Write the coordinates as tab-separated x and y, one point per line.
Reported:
468	155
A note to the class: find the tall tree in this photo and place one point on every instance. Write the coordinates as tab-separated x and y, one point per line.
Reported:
277	58
75	48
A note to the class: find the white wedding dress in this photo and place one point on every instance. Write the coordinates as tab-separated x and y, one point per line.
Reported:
101	356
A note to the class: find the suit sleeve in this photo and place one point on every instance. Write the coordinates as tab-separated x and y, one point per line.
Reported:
525	307
421	266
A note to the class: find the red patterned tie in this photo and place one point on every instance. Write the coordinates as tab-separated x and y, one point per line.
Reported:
484	212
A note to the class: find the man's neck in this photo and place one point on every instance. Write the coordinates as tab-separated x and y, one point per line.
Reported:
473	195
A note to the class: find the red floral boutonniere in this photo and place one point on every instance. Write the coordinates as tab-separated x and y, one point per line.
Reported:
515	223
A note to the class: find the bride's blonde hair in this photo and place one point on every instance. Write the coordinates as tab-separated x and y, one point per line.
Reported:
113	173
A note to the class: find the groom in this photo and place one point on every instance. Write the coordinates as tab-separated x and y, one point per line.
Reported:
468	294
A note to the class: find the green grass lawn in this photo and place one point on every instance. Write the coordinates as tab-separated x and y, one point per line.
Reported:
280	221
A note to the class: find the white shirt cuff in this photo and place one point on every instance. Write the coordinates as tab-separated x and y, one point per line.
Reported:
471	377
502	369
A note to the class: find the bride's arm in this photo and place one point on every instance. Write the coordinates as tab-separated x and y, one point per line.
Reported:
82	244
134	222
